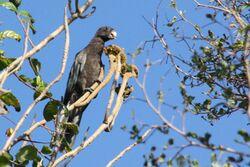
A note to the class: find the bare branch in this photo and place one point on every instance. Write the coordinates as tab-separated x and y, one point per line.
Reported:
28	132
211	7
122	153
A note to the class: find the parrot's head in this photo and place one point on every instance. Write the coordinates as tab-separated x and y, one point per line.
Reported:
106	33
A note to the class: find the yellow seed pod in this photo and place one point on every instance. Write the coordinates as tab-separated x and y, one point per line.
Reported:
9	132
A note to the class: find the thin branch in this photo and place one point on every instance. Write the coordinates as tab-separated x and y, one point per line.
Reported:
155	110
27	132
234	13
130	147
211	7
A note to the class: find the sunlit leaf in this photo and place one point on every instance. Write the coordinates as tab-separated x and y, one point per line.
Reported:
72	127
26	153
51	109
36	64
9	99
244	135
9	6
10	34
197	28
1	52
46	150
4	62
16	2
5	159
26	79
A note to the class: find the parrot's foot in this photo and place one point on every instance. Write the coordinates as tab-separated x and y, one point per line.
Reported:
88	90
98	81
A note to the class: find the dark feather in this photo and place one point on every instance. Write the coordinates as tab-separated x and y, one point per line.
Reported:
84	72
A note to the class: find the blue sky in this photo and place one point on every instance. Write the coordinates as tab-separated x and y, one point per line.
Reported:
126	17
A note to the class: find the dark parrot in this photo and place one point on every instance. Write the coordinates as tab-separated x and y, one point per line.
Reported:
84	72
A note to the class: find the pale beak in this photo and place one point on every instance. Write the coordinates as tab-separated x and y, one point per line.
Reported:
113	35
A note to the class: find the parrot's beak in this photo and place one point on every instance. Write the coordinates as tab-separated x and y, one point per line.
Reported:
112	35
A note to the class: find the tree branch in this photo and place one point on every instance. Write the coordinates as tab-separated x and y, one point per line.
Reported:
122	153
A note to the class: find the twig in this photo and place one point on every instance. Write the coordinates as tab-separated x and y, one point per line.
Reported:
143	87
231	11
122	153
27	132
211	7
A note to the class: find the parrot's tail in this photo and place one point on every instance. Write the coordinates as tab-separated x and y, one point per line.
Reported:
70	125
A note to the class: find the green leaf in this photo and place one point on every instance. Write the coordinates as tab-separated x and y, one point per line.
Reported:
26	79
210	34
38	82
9	99
32	28
4	62
173	4
5	160
26	153
1	53
160	96
171	141
213	158
40	89
40	85
192	134
51	109
244	135
10	34
28	19
171	23
205	140
16	2
37	161
46	150
9	6
170	163
181	161
136	53
26	14
72	127
197	28
36	64
195	163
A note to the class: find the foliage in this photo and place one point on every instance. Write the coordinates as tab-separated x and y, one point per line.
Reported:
216	63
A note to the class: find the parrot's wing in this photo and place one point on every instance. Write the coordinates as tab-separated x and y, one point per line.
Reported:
76	68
